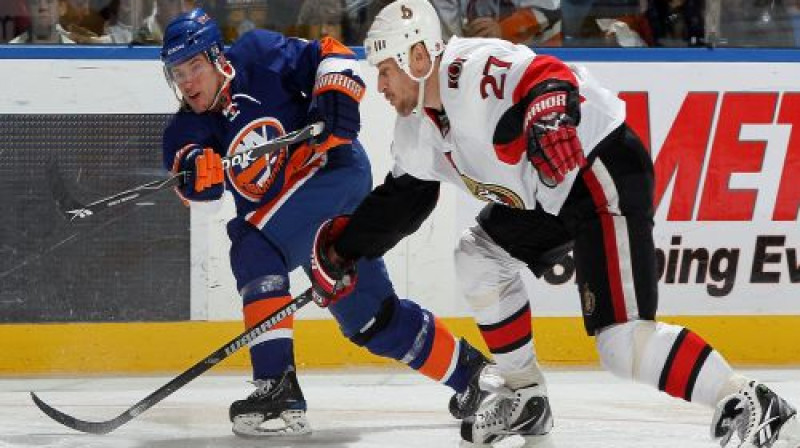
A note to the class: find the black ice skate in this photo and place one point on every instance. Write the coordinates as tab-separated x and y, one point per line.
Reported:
758	417
465	403
523	412
275	408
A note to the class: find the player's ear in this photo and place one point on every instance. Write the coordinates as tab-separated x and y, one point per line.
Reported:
419	59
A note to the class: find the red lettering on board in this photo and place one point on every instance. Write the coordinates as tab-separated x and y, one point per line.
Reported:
787	202
730	155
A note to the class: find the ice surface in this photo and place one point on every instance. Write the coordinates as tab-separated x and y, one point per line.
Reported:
354	408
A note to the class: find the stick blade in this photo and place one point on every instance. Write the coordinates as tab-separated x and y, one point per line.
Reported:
74	423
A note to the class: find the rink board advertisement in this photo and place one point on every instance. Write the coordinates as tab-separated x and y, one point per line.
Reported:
727	159
726	147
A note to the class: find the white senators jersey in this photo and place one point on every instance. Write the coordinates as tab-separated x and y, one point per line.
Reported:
478	142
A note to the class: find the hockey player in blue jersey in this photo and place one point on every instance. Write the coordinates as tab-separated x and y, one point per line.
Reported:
262	87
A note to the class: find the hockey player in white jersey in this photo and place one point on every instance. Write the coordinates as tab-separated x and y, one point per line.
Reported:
549	149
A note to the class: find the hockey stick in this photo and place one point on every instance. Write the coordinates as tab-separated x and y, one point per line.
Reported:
73	209
179	381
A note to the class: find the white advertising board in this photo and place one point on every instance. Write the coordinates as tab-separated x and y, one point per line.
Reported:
725	138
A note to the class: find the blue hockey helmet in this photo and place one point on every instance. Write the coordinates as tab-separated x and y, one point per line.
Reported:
188	34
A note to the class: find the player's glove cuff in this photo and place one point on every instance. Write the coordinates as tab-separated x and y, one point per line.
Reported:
330	281
344	82
203	178
335	100
550	124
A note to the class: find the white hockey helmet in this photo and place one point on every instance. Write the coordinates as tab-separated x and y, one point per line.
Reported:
399	26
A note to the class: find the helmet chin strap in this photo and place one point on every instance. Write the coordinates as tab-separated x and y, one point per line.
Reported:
228	76
421	94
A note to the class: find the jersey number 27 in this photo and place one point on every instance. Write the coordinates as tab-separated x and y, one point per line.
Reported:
490	80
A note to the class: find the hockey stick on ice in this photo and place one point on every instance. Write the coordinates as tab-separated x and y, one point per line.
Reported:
74	210
179	381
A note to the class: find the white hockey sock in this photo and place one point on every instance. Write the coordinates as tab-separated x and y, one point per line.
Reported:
669	357
525	377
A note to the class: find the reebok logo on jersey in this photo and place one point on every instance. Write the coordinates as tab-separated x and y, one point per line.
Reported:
243	159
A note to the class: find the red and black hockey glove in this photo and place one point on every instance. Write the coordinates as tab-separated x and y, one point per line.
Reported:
204	179
330	280
335	101
550	126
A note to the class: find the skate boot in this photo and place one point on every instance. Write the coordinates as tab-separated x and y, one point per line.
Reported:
464	404
275	408
758	417
505	413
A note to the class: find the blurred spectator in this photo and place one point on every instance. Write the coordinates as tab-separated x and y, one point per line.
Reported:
617	33
532	22
45	26
241	16
283	16
118	16
75	13
358	16
610	23
793	10
573	14
677	23
756	23
152	29
14	19
91	26
713	15
321	18
108	22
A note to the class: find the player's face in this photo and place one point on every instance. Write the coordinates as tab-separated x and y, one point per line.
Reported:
397	87
198	81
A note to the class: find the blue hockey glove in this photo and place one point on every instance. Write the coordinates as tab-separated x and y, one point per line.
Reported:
204	179
335	101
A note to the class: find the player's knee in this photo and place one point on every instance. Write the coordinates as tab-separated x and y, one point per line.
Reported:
626	349
617	346
394	330
263	296
264	287
483	269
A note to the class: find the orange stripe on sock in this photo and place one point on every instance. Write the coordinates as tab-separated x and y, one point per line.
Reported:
444	344
254	312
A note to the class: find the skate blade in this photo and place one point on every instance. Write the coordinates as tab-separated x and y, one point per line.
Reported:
517	441
789	436
289	424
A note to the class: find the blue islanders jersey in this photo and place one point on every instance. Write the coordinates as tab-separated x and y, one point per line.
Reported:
270	96
283	198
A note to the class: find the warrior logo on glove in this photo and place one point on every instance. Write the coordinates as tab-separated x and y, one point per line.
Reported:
551	121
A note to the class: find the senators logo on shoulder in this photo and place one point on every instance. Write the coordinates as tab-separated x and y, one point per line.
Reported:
454	72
